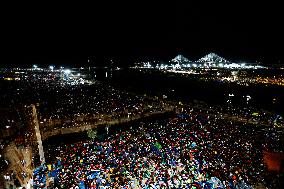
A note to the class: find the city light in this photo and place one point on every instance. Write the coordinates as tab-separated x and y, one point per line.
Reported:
211	60
67	71
72	99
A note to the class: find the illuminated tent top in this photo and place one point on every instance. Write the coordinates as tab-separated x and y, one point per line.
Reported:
212	57
180	58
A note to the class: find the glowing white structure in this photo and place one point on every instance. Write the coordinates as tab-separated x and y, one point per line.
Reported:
180	58
212	58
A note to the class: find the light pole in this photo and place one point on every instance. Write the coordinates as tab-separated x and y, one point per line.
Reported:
229	101
107	129
248	98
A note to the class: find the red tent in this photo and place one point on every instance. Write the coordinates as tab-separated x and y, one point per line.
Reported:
274	161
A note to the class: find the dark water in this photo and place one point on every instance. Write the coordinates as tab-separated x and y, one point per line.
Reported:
102	133
179	87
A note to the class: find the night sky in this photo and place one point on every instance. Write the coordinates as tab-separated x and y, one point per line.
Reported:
139	31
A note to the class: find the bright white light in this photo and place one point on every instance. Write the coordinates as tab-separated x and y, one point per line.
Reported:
67	71
221	65
243	64
78	74
35	66
177	65
51	67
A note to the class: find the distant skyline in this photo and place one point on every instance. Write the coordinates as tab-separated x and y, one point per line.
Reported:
77	61
139	31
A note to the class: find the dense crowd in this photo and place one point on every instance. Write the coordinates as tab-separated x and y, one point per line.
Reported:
190	150
90	101
198	148
87	102
77	105
3	162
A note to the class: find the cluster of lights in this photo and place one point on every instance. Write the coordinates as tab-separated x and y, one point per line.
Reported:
52	68
67	76
204	65
211	60
67	71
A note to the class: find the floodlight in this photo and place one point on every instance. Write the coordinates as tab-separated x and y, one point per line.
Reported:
67	71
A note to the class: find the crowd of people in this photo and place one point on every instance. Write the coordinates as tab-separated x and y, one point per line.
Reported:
3	161
191	150
83	104
70	104
198	148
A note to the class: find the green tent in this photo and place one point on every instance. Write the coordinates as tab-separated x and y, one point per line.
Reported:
158	145
255	114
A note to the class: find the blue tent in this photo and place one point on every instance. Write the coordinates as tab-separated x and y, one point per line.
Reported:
82	185
193	144
53	173
93	174
183	116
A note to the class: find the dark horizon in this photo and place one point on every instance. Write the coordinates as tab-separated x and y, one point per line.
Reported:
140	32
